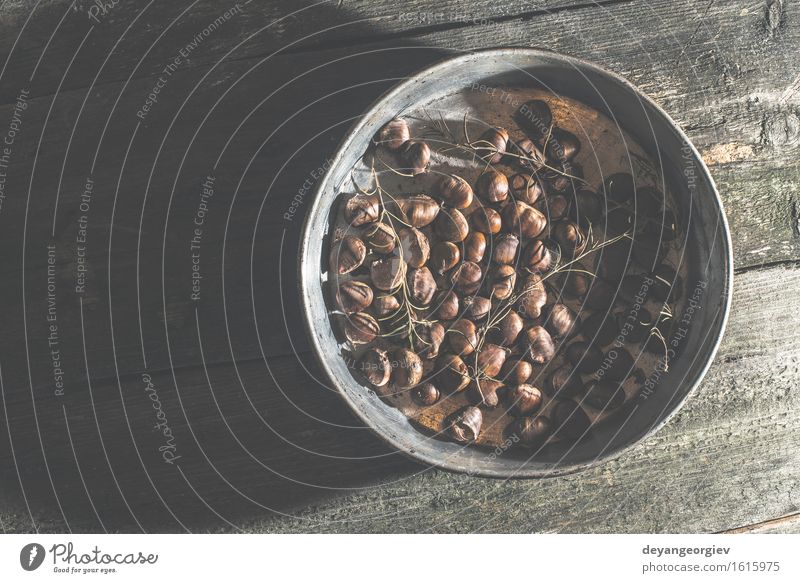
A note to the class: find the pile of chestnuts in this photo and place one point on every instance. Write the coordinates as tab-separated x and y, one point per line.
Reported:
520	295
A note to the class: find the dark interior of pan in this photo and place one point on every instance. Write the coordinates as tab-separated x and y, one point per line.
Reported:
706	244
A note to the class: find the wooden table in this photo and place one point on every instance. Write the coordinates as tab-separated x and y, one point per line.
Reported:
104	349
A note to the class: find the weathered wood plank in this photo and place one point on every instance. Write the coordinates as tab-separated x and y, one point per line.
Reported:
785	525
727	459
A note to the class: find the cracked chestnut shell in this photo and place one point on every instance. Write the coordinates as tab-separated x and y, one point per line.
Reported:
348	254
380	237
361	328
537	257
406	368
388	273
427	339
455	191
384	305
490	359
414	247
506	331
523	219
421	286
570	237
561	321
362	209
376	367
465	425
504	278
484	392
354	296
525	187
524	399
444	256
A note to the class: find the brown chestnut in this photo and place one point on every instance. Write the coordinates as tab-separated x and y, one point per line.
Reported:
451	225
388	273
414	247
362	209
605	395
406	368
533	296
475	247
516	371
353	296
540	345
467	277
484	392
444	256
380	237
557	207
447	305
427	338
570	237
452	374
418	210
586	358
506	331
476	307
532	431
600	328
416	155
384	305
421	286
491	359
577	281
348	254
525	187
561	321
375	366
570	420
537	257
524	399
526	153
619	187
562	145
426	394
465	425
361	328
588	208
462	337
564	382
393	134
486	220
503	278
492	186
523	219
455	191
492	145
535	118
505	248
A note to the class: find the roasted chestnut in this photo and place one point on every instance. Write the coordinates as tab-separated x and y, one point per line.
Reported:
447	305
475	247
505	248
535	118
380	237
570	237
384	305
387	273
503	278
533	296
561	321
557	207
564	382
486	220
600	328
562	145
537	257
523	219
532	431
588	208
525	187
619	187
476	307
467	277
586	358
375	366
353	296
462	337
418	210
452	374
570	420
540	345
361	328
444	256
348	254
393	134
416	155
484	392
524	399
492	186
421	286
455	191
491	359
465	425
451	225
427	338
425	394
506	331
407	368
492	145
362	209
414	247
516	371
